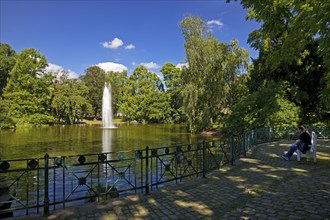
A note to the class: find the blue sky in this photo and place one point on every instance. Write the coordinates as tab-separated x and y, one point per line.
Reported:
74	35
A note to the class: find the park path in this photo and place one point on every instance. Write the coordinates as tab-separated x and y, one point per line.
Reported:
260	186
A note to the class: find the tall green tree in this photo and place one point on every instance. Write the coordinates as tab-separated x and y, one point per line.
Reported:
204	55
291	30
94	79
236	65
7	62
267	107
210	82
304	82
69	101
172	79
144	98
118	82
27	94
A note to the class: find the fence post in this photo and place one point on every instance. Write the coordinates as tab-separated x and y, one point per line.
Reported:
203	159
147	170
244	144
46	197
232	148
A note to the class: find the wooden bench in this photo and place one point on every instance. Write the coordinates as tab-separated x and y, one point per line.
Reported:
311	152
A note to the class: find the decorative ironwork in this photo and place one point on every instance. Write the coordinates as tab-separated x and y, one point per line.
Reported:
167	150
58	161
4	165
138	154
82	181
82	159
122	175
154	152
180	157
32	164
167	167
102	157
121	155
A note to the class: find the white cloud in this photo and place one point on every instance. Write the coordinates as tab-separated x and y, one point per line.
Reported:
129	47
133	63
72	75
181	65
114	44
150	65
53	68
110	66
215	23
59	69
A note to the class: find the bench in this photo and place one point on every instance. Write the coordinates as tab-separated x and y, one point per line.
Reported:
311	152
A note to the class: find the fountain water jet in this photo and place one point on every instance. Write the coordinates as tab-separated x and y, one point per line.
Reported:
106	107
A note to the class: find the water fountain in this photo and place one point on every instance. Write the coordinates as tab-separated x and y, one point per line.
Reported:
106	107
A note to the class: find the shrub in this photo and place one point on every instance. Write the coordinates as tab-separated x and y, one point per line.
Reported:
40	119
6	122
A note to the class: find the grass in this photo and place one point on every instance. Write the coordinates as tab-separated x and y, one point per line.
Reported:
99	122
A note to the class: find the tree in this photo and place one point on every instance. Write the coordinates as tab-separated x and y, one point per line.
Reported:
172	78
27	94
266	107
69	102
304	82
211	76
237	61
7	62
94	79
144	98
118	82
289	30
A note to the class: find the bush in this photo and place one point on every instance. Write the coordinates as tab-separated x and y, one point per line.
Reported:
6	122
40	119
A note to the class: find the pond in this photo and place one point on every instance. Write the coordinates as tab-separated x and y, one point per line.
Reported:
81	167
85	139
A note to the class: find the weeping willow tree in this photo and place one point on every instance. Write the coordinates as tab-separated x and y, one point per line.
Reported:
211	75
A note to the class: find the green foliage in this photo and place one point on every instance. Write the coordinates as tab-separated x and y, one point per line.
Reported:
289	28
27	90
210	83
7	62
118	82
172	78
6	122
40	119
236	65
266	107
294	47
202	80
94	79
144	98
69	102
305	81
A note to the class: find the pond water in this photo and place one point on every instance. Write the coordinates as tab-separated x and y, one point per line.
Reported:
78	139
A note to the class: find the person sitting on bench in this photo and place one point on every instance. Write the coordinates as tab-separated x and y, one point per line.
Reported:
304	137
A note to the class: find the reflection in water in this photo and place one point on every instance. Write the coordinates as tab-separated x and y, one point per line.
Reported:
107	141
73	140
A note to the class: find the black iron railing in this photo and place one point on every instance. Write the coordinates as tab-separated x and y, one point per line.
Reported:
45	184
41	185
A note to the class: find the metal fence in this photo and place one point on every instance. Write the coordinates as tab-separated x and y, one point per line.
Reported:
41	185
